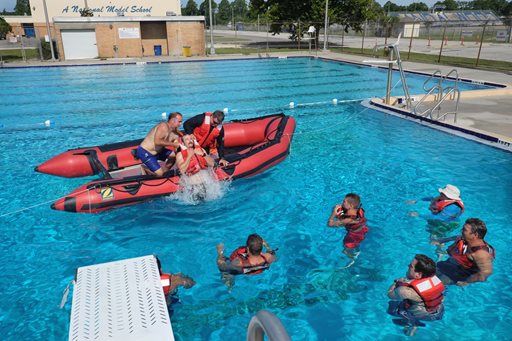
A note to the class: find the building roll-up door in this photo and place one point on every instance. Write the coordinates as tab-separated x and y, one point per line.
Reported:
79	44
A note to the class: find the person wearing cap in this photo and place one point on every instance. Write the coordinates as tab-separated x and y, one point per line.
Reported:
446	207
209	133
471	257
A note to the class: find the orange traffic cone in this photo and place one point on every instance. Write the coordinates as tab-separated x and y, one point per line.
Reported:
462	40
445	41
477	39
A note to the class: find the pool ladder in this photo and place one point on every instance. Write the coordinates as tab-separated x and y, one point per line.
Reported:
441	93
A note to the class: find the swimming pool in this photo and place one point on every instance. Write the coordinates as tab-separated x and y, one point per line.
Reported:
336	149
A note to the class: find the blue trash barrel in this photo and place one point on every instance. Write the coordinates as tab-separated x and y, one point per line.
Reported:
158	50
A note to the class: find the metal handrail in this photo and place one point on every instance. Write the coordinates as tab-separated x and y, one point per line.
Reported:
451	91
433	75
456	79
438	96
266	323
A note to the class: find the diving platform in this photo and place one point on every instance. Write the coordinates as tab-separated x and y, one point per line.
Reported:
121	300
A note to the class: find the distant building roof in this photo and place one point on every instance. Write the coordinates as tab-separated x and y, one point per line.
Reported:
448	16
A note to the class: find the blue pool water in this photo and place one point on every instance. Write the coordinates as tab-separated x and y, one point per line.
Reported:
335	150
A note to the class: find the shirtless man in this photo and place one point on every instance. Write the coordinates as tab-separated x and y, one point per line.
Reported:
471	256
152	148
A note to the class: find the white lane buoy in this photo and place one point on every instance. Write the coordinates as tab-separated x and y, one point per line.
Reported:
335	101
225	110
48	123
292	105
164	116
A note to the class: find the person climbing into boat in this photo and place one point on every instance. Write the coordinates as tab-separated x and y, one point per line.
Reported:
248	259
209	133
153	147
444	213
171	282
471	257
417	297
351	216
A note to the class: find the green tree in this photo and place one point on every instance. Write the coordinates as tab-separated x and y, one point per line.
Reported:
204	9
190	8
497	6
449	5
224	14
417	7
239	9
392	7
4	27
22	7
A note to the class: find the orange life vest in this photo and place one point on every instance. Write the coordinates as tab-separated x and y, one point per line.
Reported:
197	162
165	279
437	206
430	290
247	268
205	137
360	216
460	251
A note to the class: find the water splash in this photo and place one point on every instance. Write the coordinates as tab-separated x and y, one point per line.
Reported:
202	186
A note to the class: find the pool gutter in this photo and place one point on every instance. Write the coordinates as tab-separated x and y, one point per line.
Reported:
484	137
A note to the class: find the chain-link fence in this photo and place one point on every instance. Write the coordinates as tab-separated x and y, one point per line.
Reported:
456	39
20	48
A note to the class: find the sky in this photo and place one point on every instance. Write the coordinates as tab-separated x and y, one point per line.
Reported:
9	4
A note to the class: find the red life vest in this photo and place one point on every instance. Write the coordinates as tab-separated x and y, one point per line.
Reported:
430	290
165	279
437	206
359	215
247	268
460	251
205	137
197	162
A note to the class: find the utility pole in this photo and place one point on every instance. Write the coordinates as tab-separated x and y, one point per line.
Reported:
326	23
48	29
212	48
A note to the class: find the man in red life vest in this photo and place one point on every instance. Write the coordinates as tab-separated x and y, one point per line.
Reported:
207	128
152	149
351	216
470	256
419	296
248	259
171	282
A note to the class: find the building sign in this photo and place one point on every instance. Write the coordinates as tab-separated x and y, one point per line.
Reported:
129	33
142	10
103	8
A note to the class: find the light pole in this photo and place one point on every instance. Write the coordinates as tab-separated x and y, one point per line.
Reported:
48	29
326	23
212	48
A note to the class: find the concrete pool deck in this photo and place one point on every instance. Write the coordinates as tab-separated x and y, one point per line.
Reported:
483	111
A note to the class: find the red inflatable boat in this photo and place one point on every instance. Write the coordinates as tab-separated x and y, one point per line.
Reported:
251	146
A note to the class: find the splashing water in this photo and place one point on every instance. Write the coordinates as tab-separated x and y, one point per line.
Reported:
202	186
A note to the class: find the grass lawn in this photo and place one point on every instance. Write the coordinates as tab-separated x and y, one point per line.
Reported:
15	54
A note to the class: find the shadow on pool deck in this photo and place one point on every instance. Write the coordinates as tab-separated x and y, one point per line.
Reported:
487	111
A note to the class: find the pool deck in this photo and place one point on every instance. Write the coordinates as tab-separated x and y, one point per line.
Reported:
482	111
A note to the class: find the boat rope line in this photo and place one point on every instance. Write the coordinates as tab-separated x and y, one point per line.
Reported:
36	205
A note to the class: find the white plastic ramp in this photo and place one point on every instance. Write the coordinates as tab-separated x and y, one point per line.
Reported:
120	300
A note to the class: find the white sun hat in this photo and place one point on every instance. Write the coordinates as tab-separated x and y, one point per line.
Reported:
451	192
